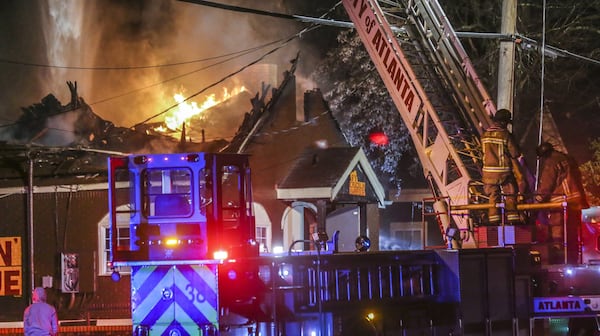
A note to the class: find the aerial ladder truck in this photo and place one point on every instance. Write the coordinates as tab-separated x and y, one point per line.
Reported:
183	224
446	108
438	95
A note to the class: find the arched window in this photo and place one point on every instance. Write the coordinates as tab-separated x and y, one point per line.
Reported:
104	240
264	229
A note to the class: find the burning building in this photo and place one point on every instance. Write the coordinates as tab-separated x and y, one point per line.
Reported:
55	197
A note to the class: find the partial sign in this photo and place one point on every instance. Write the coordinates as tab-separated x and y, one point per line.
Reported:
563	304
11	268
356	187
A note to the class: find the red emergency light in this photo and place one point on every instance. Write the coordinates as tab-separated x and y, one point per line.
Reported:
379	138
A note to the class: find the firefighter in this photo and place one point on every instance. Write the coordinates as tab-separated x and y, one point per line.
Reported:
500	154
560	179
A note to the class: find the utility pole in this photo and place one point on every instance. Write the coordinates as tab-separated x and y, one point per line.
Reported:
507	56
31	156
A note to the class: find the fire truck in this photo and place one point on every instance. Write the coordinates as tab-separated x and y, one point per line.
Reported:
196	267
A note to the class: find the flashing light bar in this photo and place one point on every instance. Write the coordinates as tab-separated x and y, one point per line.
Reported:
144	159
172	242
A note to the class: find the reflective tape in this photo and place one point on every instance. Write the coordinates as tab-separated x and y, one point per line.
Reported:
174	300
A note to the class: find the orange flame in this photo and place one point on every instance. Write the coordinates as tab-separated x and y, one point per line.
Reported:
186	110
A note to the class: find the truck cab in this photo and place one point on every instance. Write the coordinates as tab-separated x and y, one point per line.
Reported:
184	206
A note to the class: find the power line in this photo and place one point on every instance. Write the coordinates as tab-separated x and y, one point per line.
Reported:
301	18
140	67
226	77
248	51
548	49
553	52
241	9
208	3
237	55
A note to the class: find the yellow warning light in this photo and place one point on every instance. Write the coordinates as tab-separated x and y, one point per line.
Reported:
220	255
171	242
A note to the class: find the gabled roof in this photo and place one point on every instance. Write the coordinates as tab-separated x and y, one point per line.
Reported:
261	112
325	173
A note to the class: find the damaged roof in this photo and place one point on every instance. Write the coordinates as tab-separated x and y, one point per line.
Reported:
78	152
331	173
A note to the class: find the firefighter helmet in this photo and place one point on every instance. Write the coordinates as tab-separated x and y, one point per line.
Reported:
544	149
503	115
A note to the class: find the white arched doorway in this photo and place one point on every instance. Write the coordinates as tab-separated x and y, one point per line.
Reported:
295	220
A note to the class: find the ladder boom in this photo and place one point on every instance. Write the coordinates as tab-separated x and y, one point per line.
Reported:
435	89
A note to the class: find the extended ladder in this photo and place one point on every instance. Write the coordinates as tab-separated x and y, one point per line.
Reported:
435	89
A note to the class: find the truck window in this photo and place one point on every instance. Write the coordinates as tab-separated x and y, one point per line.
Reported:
124	191
231	201
167	192
205	189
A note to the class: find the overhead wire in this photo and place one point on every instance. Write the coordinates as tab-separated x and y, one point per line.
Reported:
329	22
223	78
248	51
554	51
558	51
290	129
305	30
345	24
130	67
236	54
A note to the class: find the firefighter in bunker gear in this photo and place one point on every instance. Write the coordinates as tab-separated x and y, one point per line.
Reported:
560	180
500	155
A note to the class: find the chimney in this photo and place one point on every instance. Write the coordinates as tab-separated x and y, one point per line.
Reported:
313	104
